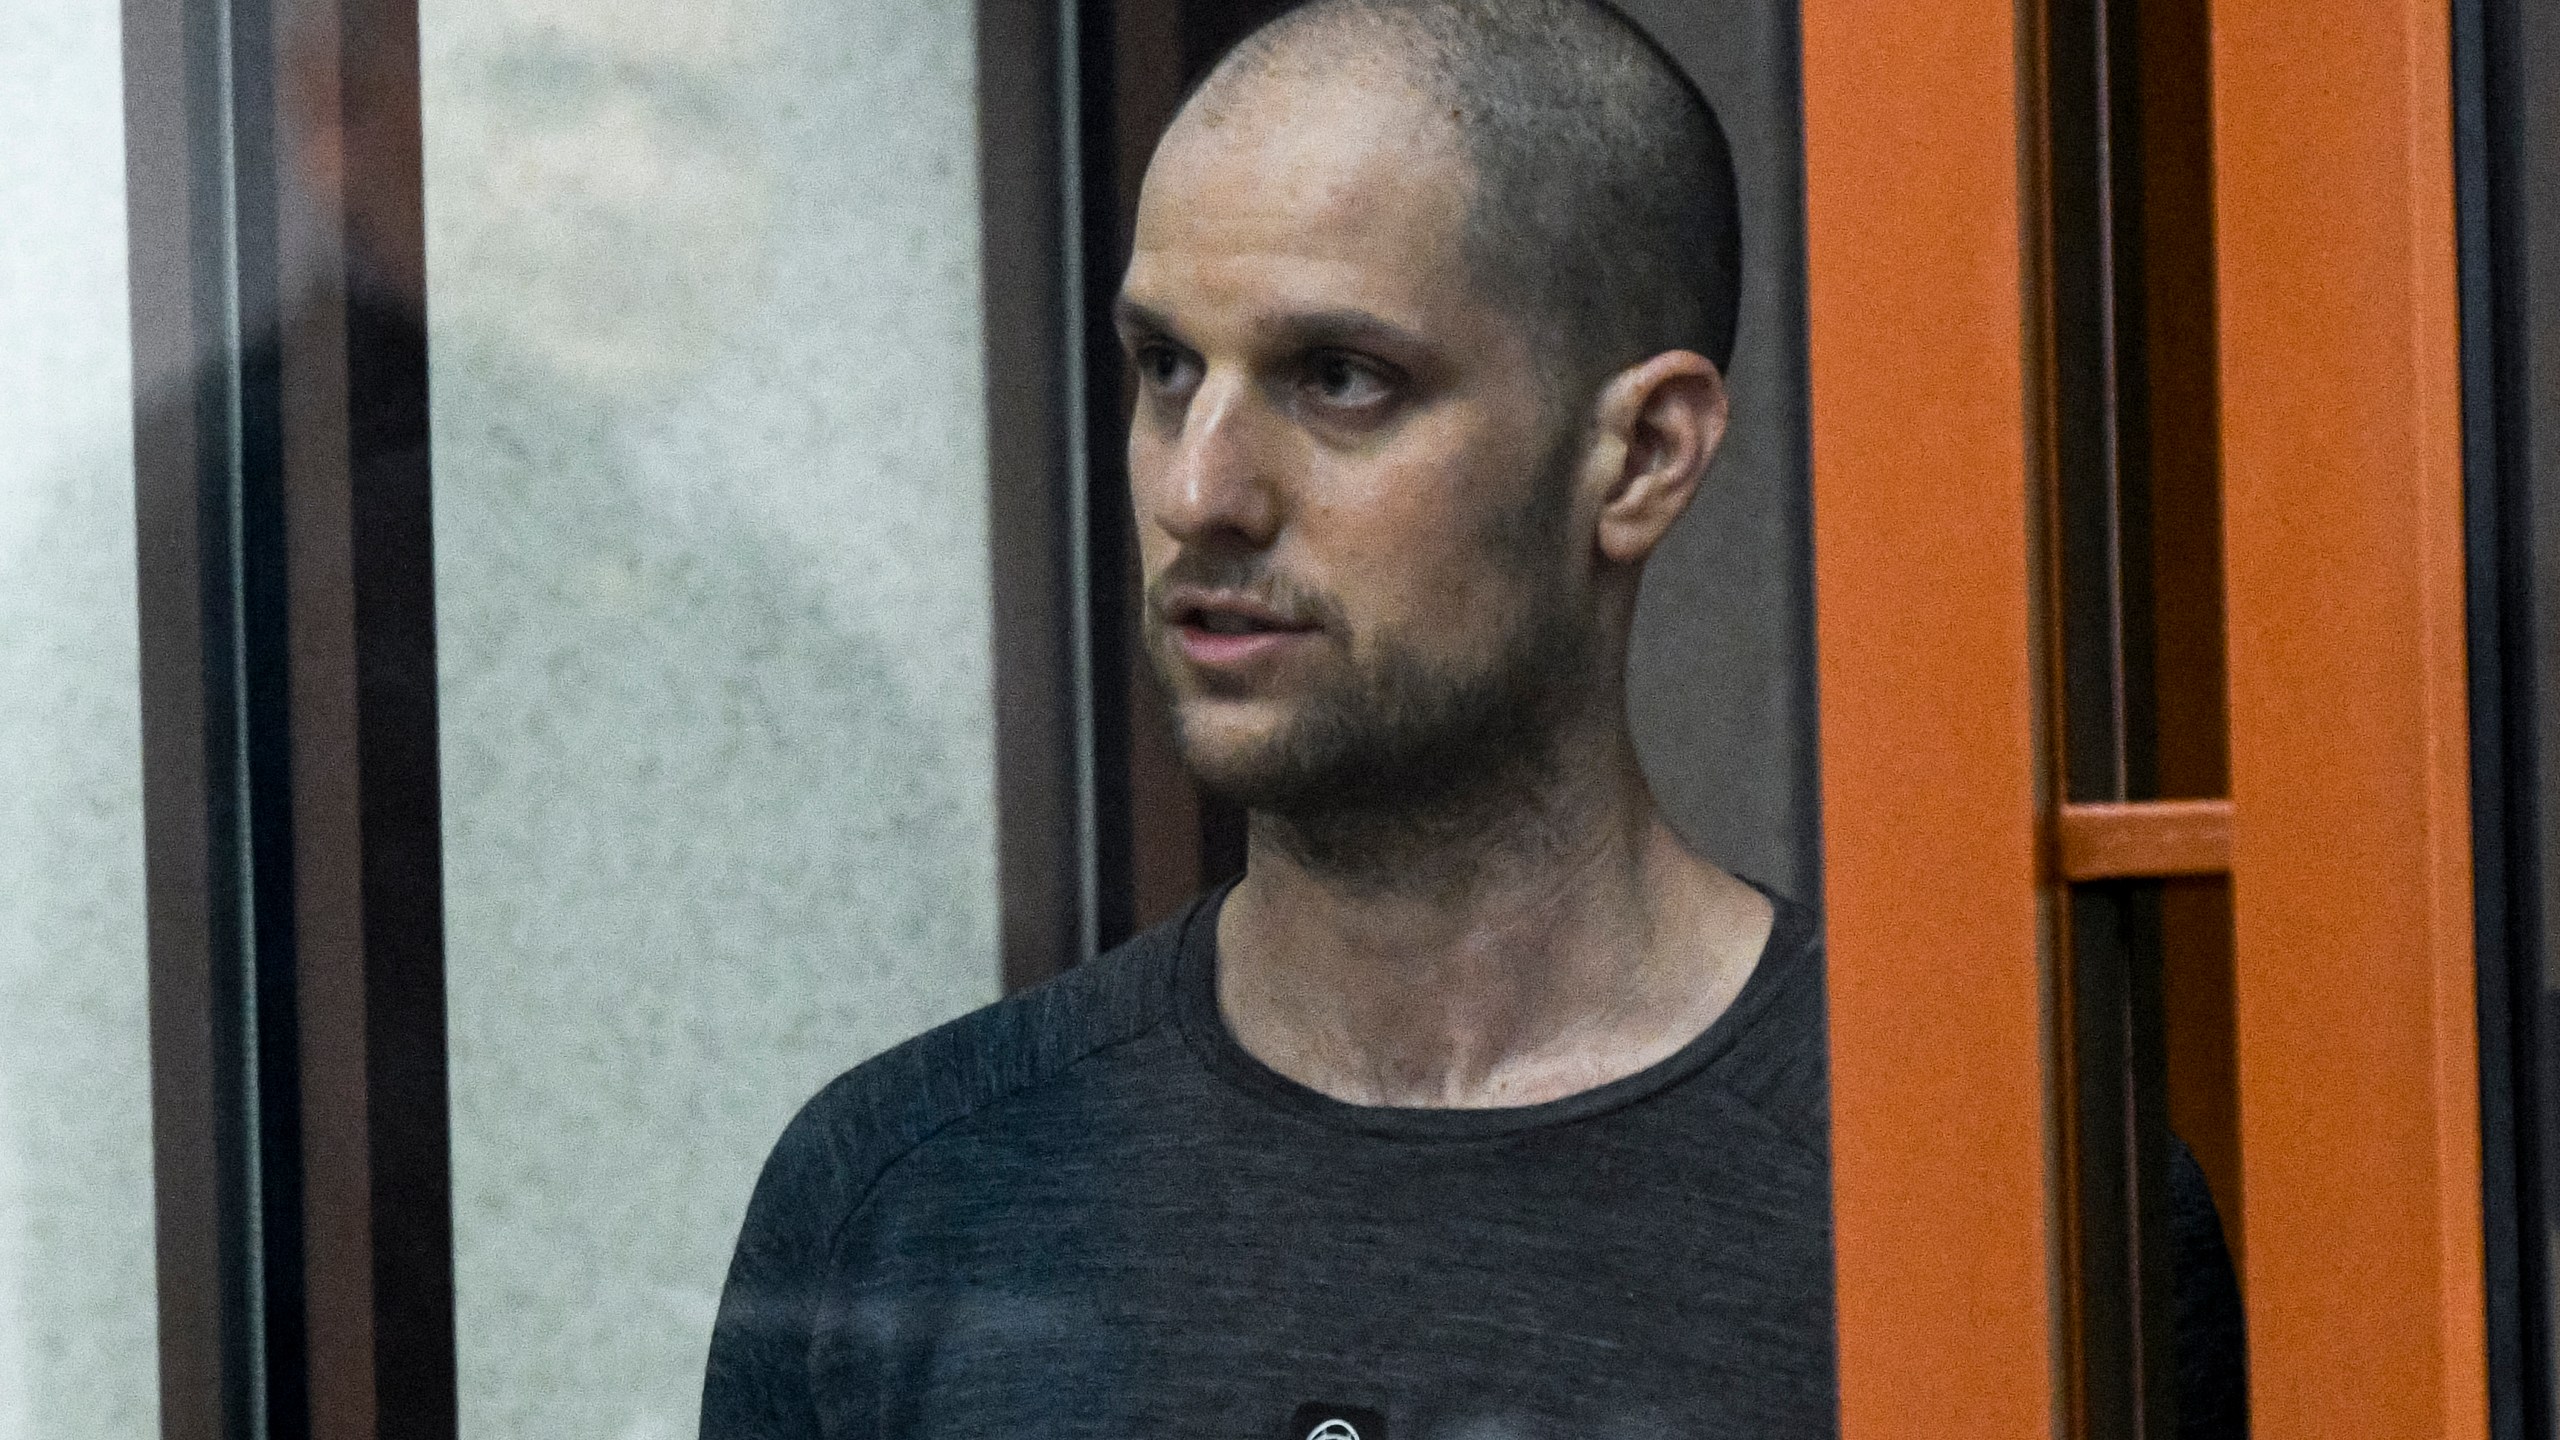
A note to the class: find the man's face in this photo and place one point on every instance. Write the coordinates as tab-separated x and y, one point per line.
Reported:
1351	486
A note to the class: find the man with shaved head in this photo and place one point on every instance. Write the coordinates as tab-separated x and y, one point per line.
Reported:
1481	1106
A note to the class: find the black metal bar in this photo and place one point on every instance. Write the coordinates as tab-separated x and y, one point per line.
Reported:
2489	769
222	1358
288	680
2083	408
2127	1350
2100	408
1109	559
2100	413
266	748
2105	1233
2132	604
1040	863
358	722
2143	1127
2505	572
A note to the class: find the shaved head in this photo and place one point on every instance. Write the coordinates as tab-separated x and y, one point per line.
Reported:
1426	308
1601	211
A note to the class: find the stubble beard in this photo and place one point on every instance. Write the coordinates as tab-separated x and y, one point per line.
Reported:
1407	774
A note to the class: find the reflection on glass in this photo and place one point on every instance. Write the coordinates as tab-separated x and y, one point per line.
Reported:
77	1318
710	531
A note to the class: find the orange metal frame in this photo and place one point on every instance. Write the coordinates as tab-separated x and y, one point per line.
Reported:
2358	1072
1929	750
2347	834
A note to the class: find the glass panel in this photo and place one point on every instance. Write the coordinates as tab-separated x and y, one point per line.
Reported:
717	725
77	1318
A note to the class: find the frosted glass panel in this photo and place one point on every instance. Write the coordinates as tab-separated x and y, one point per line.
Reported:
77	1318
712	609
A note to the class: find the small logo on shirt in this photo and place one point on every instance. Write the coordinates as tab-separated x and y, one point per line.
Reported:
1336	1422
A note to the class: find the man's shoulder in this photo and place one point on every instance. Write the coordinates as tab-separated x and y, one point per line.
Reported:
1780	1060
867	1118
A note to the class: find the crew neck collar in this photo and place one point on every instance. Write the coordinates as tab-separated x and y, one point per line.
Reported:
1204	1026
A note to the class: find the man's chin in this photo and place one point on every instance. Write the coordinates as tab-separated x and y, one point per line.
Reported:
1217	749
1241	752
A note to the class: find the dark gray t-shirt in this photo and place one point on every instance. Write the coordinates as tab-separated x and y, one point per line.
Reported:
1086	1211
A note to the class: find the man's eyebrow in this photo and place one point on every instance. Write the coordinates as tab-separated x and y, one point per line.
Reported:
1349	328
1128	316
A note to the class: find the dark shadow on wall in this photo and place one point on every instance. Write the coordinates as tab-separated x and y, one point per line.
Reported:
1721	680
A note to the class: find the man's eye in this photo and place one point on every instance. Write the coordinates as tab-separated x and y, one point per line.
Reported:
1346	381
1162	367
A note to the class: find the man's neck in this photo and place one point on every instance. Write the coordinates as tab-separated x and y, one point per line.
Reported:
1540	972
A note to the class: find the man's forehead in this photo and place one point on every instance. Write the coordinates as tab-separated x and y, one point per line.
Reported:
1320	188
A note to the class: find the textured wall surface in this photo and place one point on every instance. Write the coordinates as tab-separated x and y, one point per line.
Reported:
76	1309
711	537
1720	681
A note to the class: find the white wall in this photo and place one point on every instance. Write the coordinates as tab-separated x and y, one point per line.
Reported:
713	624
77	1331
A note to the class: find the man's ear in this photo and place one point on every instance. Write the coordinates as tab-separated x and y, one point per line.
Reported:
1659	423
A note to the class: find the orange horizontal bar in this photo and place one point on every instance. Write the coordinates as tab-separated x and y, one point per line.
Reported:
2144	839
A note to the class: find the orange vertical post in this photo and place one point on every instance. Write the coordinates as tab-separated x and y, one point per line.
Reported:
1923	566
2358	1078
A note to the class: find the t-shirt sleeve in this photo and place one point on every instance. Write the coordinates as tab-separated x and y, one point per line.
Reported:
756	1384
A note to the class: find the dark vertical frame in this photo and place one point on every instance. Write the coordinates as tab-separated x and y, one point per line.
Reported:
360	633
1107	546
1045	816
1100	829
1144	825
2098	397
288	679
2507	188
1157	838
2114	1141
2124	1348
2139	677
204	1131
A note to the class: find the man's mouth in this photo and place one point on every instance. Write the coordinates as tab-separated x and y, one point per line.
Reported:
1226	633
1227	622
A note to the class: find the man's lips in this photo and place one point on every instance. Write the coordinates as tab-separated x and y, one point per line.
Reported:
1219	631
1211	650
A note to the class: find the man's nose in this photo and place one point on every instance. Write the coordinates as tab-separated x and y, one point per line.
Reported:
1218	487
